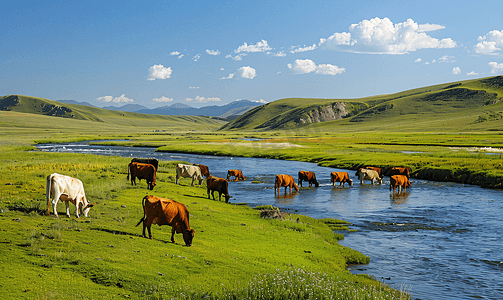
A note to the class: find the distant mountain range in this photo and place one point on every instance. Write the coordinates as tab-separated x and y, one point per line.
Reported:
228	111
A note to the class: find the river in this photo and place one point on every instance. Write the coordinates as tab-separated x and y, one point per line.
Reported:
438	241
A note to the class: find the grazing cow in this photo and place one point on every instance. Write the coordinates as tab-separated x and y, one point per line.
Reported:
341	177
219	185
188	171
286	181
400	171
67	189
151	161
400	181
371	175
238	175
143	171
204	170
162	211
309	177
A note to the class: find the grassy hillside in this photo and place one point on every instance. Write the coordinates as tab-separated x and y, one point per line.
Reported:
465	105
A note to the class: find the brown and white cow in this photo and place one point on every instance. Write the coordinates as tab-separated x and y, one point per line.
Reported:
400	171
220	185
238	175
309	177
188	171
378	170
400	181
286	181
68	189
143	171
163	211
341	177
205	171
371	175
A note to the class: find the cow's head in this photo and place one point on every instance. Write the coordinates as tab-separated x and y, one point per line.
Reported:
227	197
316	184
87	207
350	181
188	235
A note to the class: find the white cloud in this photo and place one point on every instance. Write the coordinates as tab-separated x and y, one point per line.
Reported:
174	53
472	73
304	66
496	67
418	60
237	57
279	54
446	59
159	72
228	77
121	99
381	36
456	71
196	58
261	46
181	55
303	49
199	99
260	101
162	99
213	52
247	72
222	69
490	43
193	87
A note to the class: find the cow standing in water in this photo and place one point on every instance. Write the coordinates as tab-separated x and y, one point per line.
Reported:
341	177
309	177
163	211
400	181
238	175
68	189
286	181
364	174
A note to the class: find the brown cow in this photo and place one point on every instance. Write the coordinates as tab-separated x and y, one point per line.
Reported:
217	184
238	175
286	181
162	211
400	181
400	171
341	177
142	171
205	171
154	162
309	177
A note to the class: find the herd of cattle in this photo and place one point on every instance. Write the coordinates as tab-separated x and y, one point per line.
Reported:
163	211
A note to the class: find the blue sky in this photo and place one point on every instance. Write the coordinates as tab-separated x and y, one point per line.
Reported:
200	53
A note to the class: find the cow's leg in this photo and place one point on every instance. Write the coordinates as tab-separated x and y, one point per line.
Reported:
67	205
77	205
172	234
177	178
144	226
399	189
193	178
55	199
149	232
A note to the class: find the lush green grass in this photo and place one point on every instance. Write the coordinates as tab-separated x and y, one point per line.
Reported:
234	253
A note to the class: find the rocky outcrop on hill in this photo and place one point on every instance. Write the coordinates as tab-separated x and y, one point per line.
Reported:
336	111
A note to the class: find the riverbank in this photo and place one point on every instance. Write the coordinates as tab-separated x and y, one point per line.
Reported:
104	256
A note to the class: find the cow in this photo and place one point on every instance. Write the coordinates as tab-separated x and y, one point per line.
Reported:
378	170
371	175
142	171
238	175
341	177
309	177
205	171
286	181
219	185
152	161
400	181
400	171
188	171
163	211
67	189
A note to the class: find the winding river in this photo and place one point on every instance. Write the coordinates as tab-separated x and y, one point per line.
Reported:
438	241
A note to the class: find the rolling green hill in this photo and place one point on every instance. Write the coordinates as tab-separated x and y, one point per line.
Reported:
465	105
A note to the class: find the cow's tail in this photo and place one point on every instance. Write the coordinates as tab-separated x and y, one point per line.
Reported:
143	204
128	167
48	189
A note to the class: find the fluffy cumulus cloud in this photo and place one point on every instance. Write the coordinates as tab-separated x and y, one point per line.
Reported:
491	43
472	73
213	52
261	46
381	36
304	66
237	57
446	59
121	99
495	67
162	99
418	60
247	72
297	49
456	71
200	99
159	72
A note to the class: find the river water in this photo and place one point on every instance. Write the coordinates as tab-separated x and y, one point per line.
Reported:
437	241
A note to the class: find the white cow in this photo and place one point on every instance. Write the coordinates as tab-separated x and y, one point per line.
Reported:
188	171
371	175
67	189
